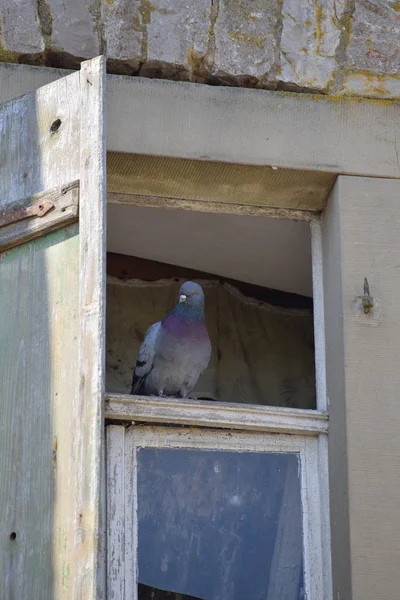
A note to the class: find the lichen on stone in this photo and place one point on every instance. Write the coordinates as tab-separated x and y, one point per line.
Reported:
338	47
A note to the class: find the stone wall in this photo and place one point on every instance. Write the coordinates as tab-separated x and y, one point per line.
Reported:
331	46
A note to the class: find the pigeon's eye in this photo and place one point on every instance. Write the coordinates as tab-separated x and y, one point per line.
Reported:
193	293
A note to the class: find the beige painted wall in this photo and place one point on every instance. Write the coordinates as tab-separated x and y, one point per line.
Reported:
361	237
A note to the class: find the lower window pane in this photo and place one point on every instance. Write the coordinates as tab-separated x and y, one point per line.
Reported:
219	525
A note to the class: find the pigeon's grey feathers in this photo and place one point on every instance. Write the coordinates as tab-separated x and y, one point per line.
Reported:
145	359
176	350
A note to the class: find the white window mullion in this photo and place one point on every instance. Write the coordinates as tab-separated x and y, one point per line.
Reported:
319	317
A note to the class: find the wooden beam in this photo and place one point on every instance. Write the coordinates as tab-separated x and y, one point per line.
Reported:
361	238
88	418
215	414
194	204
254	127
64	202
216	186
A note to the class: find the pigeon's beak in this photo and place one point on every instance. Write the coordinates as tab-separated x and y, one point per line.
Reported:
182	298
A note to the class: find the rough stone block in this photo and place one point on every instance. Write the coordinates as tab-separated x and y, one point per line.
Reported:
347	47
75	27
246	40
20	26
373	53
176	36
122	30
311	35
371	86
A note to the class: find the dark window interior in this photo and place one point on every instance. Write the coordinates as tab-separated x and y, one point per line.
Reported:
256	359
219	525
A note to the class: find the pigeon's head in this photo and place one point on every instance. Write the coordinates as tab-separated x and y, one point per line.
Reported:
191	294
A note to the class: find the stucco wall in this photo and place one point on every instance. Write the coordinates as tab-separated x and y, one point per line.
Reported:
331	46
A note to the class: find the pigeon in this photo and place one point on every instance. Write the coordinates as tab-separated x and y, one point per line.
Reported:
176	350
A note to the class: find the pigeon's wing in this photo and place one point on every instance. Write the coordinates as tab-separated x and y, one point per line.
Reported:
145	359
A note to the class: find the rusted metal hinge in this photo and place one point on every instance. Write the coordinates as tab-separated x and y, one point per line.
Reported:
39	209
18	222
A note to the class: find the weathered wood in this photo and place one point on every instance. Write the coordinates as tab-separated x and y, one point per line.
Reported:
39	368
323	476
40	441
255	127
17	80
215	414
38	383
64	203
335	382
314	542
319	316
131	506
33	157
203	183
211	207
115	513
88	417
361	238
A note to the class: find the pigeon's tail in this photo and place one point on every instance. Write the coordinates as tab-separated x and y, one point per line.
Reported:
137	386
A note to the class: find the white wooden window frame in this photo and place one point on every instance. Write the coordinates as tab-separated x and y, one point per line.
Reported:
243	416
122	446
251	428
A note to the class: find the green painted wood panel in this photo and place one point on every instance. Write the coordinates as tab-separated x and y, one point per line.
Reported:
39	352
39	325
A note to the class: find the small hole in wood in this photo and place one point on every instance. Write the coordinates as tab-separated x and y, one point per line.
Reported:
40	207
13	536
63	209
55	126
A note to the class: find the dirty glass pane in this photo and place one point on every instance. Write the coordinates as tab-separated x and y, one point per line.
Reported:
219	525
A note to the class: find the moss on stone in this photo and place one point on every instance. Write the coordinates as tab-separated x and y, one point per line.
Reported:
6	55
243	38
46	21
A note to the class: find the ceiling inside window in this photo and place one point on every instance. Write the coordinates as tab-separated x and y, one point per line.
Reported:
264	251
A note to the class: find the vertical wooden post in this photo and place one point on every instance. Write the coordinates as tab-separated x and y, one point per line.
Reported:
361	238
89	418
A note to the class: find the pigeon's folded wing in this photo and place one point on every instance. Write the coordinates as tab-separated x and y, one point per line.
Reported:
145	359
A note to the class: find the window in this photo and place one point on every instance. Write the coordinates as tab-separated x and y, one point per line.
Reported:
223	496
256	274
214	514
